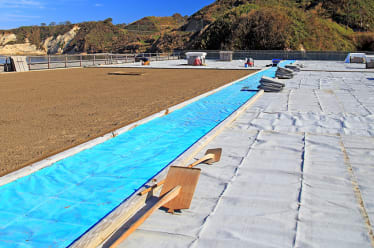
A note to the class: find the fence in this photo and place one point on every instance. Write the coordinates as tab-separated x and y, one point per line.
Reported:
69	61
271	54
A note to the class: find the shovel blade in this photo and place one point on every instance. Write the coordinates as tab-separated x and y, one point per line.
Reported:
187	178
217	152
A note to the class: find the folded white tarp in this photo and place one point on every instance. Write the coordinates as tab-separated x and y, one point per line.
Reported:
269	80
284	73
294	68
270	84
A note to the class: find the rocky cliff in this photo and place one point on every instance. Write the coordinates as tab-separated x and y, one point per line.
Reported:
88	37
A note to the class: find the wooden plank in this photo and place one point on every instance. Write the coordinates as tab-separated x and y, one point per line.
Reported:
185	177
15	63
105	228
25	65
20	63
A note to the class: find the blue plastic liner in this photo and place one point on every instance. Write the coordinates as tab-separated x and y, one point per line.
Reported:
58	204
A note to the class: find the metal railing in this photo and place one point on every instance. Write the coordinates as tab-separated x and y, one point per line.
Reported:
70	61
281	54
76	60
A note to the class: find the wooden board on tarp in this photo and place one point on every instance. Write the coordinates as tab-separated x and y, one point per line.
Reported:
19	63
185	177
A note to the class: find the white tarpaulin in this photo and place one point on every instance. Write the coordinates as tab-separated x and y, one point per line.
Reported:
352	57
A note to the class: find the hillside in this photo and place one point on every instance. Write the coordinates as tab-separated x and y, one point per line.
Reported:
279	24
155	24
339	25
88	37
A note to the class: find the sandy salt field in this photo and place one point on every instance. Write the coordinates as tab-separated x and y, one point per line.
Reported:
45	112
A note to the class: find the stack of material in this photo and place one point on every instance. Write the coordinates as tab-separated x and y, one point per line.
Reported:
369	61
284	73
270	84
294	68
19	63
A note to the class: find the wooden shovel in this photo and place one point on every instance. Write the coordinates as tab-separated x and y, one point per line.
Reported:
162	201
211	156
177	193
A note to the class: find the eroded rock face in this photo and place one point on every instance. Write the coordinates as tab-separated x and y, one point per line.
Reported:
6	38
58	45
21	49
51	45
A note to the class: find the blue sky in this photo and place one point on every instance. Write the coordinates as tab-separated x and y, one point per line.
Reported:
15	13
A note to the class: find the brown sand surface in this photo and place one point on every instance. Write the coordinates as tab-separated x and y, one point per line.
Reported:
45	112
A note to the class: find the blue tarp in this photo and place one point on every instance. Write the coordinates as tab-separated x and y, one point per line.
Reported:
56	205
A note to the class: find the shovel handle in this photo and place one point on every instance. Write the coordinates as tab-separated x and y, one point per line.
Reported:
162	201
206	157
152	187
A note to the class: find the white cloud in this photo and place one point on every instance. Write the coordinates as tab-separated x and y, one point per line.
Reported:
16	18
21	4
23	16
98	5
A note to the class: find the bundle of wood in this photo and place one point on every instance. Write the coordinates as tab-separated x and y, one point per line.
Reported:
270	84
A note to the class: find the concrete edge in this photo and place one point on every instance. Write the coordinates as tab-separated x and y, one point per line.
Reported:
13	176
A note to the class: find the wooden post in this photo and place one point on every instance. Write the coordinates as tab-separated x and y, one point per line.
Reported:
94	59
29	63
66	61
111	59
49	61
80	60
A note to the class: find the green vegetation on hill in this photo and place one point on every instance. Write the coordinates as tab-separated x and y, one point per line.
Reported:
36	34
356	14
282	24
154	24
102	36
255	26
341	25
